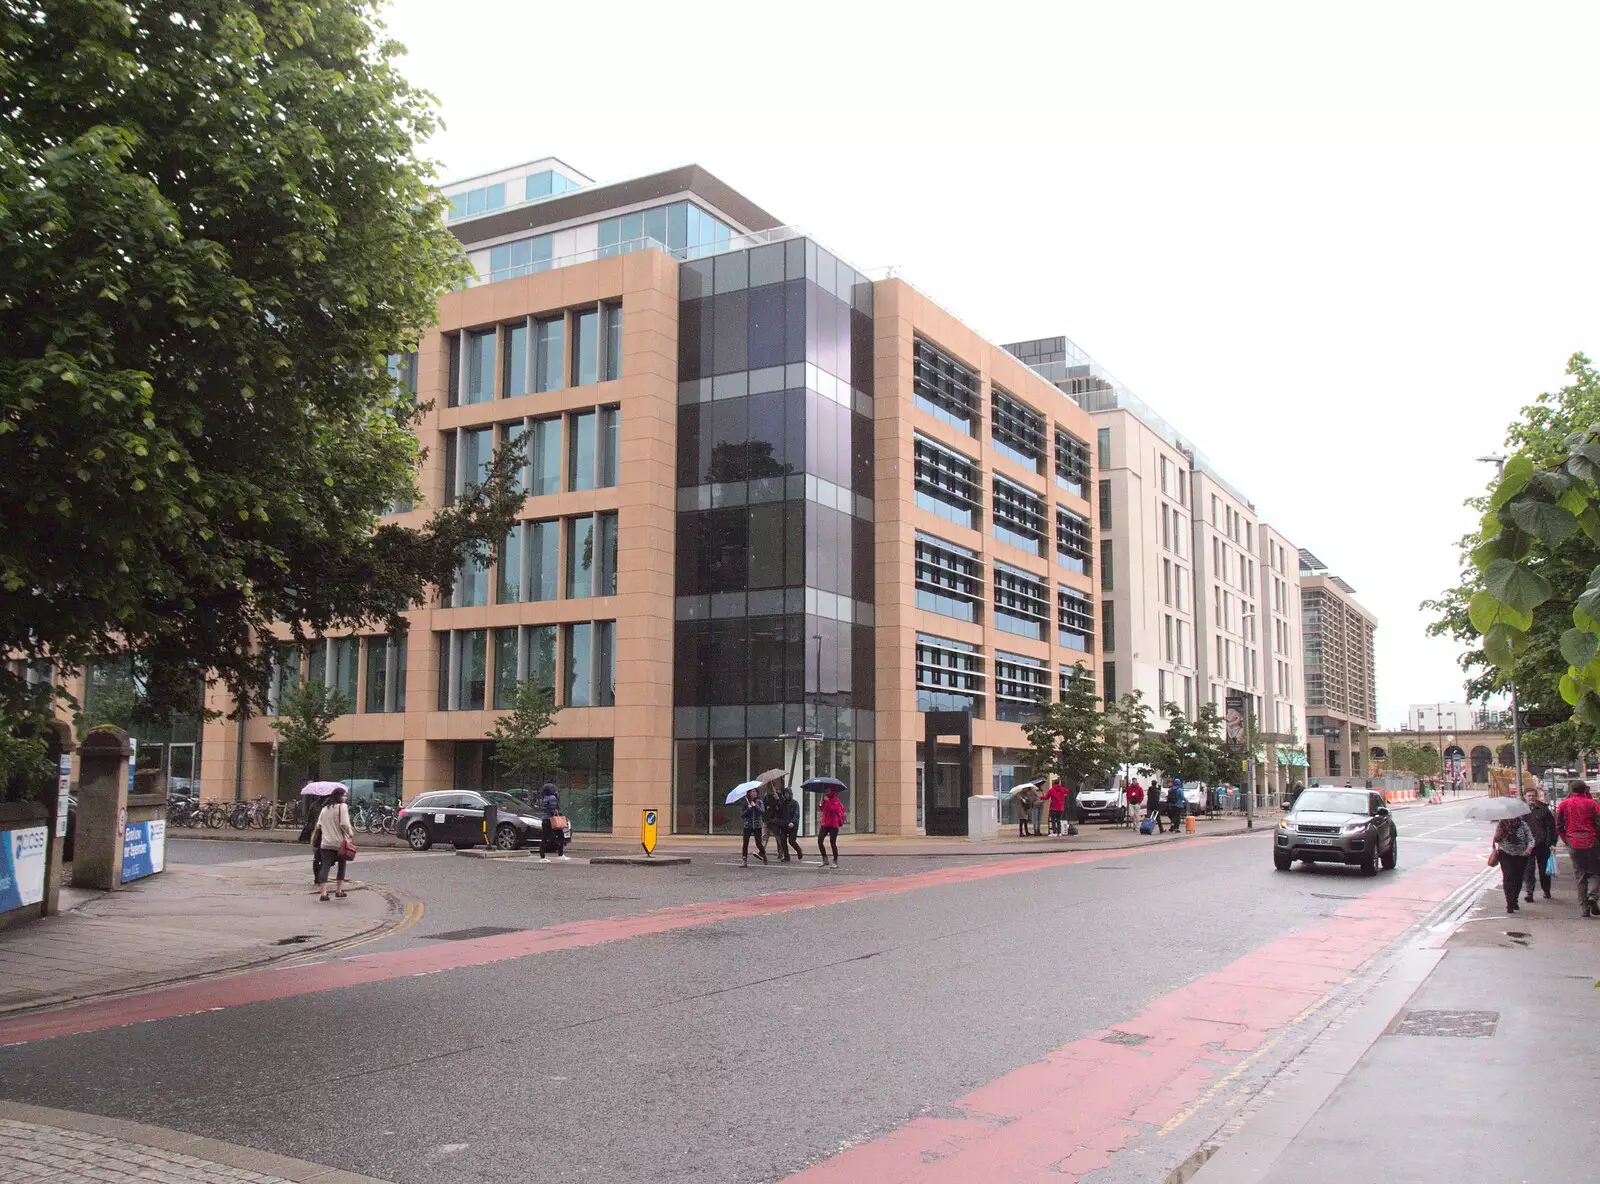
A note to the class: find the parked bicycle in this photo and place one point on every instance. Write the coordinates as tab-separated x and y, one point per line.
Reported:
183	812
212	815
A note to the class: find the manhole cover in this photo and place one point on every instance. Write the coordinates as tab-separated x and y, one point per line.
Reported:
1470	1024
1129	1038
297	939
475	931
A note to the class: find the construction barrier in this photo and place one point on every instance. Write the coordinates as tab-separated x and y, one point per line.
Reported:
1400	795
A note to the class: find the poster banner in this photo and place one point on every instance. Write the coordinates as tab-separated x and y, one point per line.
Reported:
1234	717
22	866
144	849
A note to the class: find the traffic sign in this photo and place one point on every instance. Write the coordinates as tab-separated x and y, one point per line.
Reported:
647	832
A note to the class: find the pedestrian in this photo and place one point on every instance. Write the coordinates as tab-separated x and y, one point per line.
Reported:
337	842
790	817
1153	804
1038	810
1543	825
1026	800
1135	796
832	819
309	832
1578	824
753	814
1177	805
1057	796
553	827
772	817
1512	842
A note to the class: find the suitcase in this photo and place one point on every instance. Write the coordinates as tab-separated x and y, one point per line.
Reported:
1148	826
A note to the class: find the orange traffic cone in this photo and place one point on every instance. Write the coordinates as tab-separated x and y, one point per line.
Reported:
1188	824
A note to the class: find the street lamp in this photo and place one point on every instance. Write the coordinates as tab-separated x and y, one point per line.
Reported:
1246	613
1499	463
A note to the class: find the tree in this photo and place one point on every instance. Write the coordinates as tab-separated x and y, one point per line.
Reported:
304	713
214	230
1068	737
1125	731
520	749
1413	756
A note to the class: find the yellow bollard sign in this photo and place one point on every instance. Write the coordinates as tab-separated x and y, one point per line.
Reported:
647	832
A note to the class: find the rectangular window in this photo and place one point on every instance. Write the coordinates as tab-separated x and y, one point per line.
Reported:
1074	620
508	567
1072	542
1105	505
505	668
1108	626
949	675
1017	430
285	675
477	456
1162	698
1103	447
1166	469
471	668
1018	517
1021	604
580	557
1183	487
1166	582
547	337
345	653
949	578
1020	685
580	665
1072	464
513	435
581	450
377	675
585	347
453	380
1106	581
472	585
403	370
610	445
946	483
450	468
943	387
544	570
514	369
541	642
605	663
480	367
1108	680
1168	648
544	457
442	667
612	369
605	574
1166	527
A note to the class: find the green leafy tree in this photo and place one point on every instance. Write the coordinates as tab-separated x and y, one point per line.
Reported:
1068	737
214	230
1413	756
1126	730
305	713
520	749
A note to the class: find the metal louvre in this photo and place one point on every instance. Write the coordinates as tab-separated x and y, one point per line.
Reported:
943	381
1017	425
1018	509
947	475
945	568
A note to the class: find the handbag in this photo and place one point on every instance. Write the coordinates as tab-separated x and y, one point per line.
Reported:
1494	856
559	822
347	849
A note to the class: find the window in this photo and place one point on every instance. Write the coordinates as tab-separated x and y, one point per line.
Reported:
947	483
1017	430
1168	648
513	435
605	575
541	643
478	201
505	668
514	362
547	338
1020	684
1166	471
1106	582
1108	626
581	436
1020	604
580	665
508	567
1103	447
1072	464
386	674
605	663
949	578
544	457
524	257
547	182
453	381
1074	620
1166	582
543	560
480	367
1072	542
585	347
472	584
580	557
471	668
949	675
943	387
284	676
477	455
403	370
1162	698
612	362
1183	487
1018	517
610	444
1166	526
1214	506
1105	505
1108	679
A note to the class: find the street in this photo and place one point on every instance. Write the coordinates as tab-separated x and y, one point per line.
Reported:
712	1023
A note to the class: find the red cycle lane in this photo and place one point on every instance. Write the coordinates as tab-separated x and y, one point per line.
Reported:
1053	1121
285	982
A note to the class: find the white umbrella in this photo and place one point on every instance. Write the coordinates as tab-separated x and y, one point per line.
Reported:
321	789
1494	809
738	791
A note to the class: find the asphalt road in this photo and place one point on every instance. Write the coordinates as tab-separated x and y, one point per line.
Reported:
742	1049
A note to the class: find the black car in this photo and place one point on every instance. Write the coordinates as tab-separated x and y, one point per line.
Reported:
1327	825
456	817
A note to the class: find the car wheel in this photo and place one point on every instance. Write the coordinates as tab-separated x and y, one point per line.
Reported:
1282	862
417	836
1369	864
505	837
1391	857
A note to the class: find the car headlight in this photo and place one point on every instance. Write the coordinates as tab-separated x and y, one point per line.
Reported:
1285	824
1351	828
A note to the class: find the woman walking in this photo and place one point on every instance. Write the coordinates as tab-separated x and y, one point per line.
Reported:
1543	825
553	831
754	815
1512	842
336	840
832	818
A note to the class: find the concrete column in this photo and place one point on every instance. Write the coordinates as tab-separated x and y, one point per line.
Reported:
102	809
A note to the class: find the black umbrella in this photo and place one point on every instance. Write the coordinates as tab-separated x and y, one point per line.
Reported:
824	784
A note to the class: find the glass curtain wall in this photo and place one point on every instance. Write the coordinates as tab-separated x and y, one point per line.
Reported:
774	565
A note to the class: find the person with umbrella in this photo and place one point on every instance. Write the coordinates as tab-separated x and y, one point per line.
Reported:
316	795
1513	841
831	819
753	816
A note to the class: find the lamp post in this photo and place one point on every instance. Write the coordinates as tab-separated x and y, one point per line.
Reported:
1499	463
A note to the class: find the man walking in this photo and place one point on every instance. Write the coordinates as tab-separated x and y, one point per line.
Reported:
772	815
1177	805
789	811
1578	824
1543	825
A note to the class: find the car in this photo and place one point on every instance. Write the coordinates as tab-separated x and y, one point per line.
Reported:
456	817
1328	825
1103	805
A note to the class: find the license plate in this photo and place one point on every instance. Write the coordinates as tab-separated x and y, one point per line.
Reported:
1317	841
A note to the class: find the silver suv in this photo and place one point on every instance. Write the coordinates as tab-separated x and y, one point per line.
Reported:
1328	825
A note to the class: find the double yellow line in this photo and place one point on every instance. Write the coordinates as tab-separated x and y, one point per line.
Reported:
413	914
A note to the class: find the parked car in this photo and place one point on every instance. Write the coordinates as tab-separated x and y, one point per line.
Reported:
456	817
1350	826
1103	805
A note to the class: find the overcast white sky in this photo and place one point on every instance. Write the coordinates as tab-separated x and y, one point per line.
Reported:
1339	246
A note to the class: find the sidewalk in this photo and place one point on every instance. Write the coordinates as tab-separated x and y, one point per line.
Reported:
190	920
1477	1075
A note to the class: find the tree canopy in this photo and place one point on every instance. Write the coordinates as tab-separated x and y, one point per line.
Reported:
305	715
1068	737
214	230
520	749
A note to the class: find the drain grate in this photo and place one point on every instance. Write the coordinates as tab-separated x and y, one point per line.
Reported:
475	931
297	939
1115	1036
1473	1025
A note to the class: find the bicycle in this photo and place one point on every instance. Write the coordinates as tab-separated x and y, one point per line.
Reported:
239	816
212	815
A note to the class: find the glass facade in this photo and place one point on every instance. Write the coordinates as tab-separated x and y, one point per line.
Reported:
687	231
774	569
583	780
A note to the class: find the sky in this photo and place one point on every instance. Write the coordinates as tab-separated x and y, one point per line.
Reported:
1337	246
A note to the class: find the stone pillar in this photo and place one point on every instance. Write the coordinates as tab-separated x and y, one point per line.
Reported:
62	743
102	809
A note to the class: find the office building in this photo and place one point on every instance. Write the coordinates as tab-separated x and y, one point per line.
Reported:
1341	686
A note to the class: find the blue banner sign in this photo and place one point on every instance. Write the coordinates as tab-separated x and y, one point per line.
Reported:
22	866
144	849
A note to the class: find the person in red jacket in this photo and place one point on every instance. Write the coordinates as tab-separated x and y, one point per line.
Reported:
1056	795
1578	824
832	819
